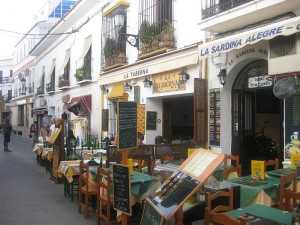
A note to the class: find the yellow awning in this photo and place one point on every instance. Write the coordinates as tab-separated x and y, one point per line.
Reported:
116	92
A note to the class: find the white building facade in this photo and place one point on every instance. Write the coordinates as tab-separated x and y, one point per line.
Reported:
256	44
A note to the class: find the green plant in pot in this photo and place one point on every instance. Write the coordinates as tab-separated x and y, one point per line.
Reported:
167	35
110	50
79	74
149	34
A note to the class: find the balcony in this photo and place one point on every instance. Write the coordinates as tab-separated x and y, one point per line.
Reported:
222	6
50	88
229	15
156	39
64	84
83	75
40	91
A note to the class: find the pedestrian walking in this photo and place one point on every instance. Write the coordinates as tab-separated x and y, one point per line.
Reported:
7	128
33	132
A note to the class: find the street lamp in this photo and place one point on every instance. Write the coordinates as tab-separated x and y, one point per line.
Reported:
104	89
183	76
24	88
127	87
221	76
147	82
119	21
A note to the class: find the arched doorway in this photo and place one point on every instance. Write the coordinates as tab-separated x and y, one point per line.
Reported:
257	116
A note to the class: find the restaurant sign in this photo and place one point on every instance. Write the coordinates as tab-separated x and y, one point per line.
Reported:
166	82
286	27
259	81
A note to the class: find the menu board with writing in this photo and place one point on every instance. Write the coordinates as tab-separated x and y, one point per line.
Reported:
122	188
150	215
151	120
292	116
127	125
214	117
185	181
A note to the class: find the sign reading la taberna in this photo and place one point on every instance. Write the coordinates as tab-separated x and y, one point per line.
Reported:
286	27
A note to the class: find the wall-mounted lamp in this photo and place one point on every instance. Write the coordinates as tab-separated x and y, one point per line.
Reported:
127	87
24	88
119	19
183	76
147	82
104	89
221	76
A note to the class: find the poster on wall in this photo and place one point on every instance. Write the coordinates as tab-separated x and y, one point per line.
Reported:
214	117
292	124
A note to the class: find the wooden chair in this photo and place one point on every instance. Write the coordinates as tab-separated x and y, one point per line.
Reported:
166	158
217	214
271	164
285	182
234	160
232	169
104	200
85	189
291	199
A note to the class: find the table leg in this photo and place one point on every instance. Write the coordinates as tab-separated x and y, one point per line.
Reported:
179	217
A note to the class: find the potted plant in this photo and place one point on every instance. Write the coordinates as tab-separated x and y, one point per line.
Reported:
79	74
167	35
149	36
110	51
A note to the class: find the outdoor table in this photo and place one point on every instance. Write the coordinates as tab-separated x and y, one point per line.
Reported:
265	192
264	212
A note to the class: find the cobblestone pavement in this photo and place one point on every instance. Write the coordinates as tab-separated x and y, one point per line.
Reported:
27	195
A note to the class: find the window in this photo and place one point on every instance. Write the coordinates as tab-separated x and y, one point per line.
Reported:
156	25
113	45
84	63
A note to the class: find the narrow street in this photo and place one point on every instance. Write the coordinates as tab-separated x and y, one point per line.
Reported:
27	195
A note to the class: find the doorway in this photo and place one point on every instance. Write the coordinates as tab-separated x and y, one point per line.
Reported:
257	116
178	120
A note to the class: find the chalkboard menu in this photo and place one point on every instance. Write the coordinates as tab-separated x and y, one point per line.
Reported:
105	119
127	125
214	117
150	215
151	120
292	115
122	188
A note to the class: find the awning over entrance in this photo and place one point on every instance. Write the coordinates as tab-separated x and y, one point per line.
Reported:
116	92
78	103
286	27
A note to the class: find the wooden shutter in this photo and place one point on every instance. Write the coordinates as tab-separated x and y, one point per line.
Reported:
200	112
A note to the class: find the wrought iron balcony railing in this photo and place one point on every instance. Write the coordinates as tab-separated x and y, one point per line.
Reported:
222	6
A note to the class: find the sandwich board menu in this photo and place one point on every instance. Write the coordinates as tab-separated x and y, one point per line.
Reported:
185	181
122	188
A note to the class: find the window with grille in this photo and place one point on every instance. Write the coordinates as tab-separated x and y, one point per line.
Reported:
113	45
282	46
156	25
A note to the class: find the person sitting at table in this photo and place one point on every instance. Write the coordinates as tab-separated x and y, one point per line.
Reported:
113	140
161	148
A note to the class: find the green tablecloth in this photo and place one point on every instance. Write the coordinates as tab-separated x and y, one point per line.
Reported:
271	188
140	182
264	212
